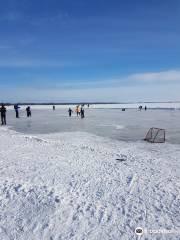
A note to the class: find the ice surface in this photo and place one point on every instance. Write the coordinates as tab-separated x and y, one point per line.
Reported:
150	105
131	125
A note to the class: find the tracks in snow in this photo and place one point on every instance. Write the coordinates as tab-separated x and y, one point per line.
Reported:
73	188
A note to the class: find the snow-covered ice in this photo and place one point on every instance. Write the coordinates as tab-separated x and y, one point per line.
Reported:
77	185
152	105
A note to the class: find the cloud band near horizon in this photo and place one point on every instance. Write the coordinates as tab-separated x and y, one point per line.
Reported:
149	86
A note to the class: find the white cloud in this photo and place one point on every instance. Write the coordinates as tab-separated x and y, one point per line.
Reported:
164	77
35	63
118	94
102	90
151	77
30	63
154	78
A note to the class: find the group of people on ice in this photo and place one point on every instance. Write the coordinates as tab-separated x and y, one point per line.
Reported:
79	111
141	107
16	108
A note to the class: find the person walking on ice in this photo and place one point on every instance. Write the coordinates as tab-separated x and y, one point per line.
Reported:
82	112
3	114
70	112
28	111
140	108
16	108
78	110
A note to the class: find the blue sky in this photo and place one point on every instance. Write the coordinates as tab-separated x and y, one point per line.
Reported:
77	50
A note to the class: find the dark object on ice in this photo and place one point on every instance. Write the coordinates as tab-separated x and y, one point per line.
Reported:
123	109
28	111
145	108
54	107
3	114
16	108
139	231
155	135
121	159
57	200
70	112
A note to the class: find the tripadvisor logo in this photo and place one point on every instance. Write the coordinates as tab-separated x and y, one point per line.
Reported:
139	231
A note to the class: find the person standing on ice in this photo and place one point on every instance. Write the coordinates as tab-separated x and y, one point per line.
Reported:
77	110
82	112
28	111
54	108
145	108
16	108
3	114
140	108
70	112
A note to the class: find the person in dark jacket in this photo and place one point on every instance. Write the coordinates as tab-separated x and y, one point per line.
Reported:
3	114
82	112
16	108
28	111
70	112
140	108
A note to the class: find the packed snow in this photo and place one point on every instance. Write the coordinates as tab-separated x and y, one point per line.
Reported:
77	185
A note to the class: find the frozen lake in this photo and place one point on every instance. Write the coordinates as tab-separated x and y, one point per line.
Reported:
130	125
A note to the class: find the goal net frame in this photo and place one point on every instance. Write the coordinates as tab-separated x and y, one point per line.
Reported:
153	133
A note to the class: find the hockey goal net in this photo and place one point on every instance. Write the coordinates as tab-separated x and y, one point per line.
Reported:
155	135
